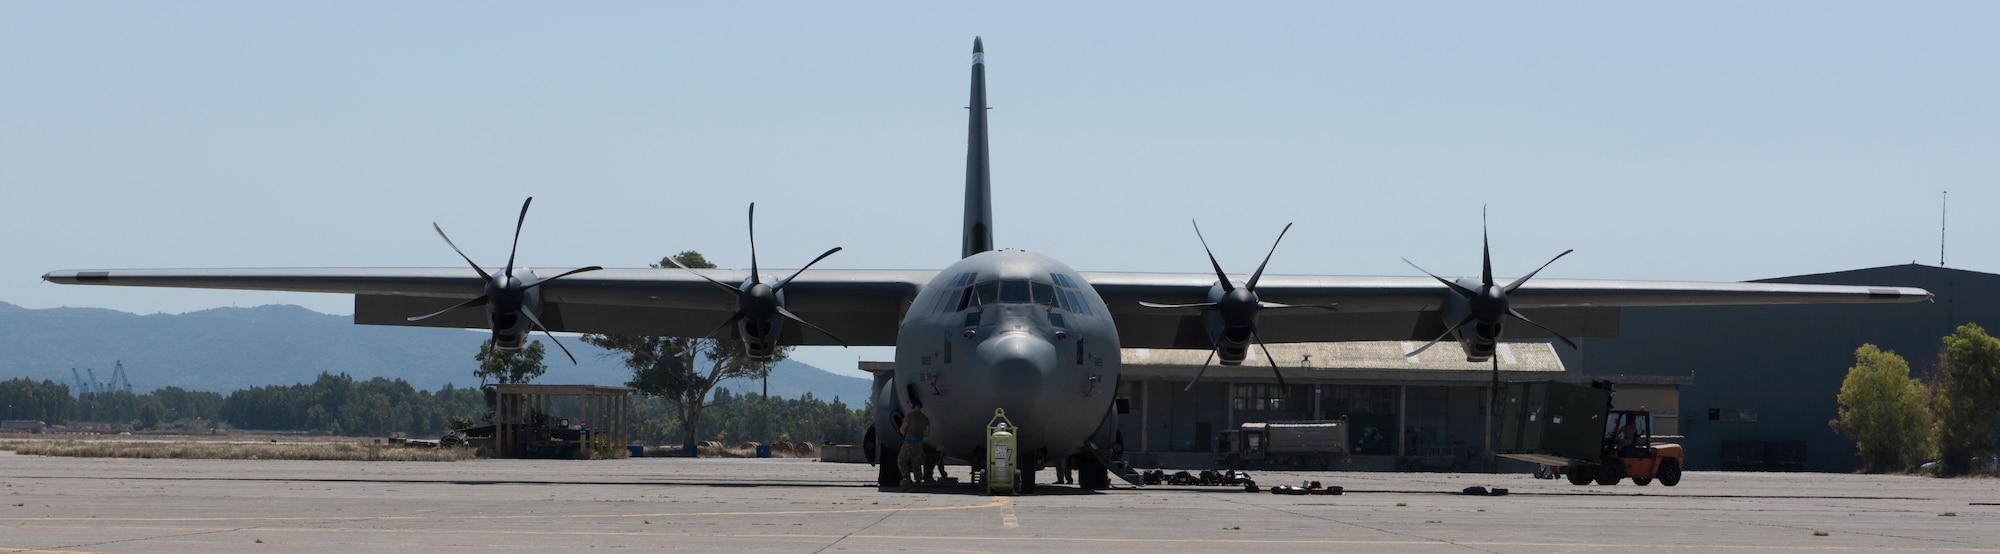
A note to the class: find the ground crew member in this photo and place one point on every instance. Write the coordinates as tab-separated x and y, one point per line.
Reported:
910	460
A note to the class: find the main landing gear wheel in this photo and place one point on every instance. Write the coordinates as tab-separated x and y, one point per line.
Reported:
1642	481
886	473
1091	475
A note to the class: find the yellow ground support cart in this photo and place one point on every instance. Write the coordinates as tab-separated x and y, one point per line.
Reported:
1002	459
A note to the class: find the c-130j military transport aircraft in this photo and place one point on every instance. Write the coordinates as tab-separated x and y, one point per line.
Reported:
1007	329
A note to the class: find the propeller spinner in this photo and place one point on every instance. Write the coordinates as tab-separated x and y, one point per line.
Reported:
1230	314
507	298
760	307
1487	307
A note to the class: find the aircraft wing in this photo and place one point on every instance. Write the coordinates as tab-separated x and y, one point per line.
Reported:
1406	308
863	307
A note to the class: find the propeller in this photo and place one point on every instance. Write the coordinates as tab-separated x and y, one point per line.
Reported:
1489	305
1231	312
505	294
758	304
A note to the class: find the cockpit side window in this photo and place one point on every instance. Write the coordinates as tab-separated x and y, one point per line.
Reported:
1076	303
949	301
964	279
1044	293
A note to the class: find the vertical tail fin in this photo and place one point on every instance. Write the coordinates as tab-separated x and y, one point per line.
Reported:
978	177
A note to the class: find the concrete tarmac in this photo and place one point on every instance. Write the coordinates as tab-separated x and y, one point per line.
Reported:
707	505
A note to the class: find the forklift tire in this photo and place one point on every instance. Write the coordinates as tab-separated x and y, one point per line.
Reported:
1580	474
1642	481
1670	472
1608	474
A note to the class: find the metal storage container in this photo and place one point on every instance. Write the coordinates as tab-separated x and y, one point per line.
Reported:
1548	422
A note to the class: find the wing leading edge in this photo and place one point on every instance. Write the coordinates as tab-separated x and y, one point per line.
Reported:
1406	308
864	307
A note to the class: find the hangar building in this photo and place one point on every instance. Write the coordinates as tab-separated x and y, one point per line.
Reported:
1764	378
1749	387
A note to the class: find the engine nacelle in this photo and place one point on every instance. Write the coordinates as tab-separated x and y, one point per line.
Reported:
503	316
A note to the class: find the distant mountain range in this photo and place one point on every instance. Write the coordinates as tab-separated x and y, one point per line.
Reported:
226	349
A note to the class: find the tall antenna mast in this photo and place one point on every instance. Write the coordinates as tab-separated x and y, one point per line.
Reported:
1943	210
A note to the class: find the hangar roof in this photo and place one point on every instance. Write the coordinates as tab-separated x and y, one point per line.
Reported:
1350	361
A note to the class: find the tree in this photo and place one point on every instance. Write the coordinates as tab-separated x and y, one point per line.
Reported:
1884	410
684	371
509	368
1968	398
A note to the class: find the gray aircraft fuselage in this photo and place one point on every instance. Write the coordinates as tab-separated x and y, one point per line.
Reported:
1012	330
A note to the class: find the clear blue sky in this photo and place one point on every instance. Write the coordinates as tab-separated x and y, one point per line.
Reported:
1694	141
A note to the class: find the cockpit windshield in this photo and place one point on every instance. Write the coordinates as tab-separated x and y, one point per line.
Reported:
1015	291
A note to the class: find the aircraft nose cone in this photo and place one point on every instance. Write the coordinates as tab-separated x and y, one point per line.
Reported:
1018	361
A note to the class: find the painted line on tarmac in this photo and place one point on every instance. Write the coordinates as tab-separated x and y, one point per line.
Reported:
1007	519
995	503
1077	540
8	550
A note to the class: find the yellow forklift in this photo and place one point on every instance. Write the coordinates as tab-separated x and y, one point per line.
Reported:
1571	429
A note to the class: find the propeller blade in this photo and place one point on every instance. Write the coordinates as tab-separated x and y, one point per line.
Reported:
1267	357
718	284
733	318
517	235
1447	333
1204	369
1252	285
461	253
481	301
1276	305
564	274
552	336
794	317
1486	252
1460	289
1524	278
1159	305
795	274
1496	380
1517	315
754	279
1219	275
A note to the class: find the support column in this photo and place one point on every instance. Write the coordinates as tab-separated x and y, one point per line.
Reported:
1402	420
1145	415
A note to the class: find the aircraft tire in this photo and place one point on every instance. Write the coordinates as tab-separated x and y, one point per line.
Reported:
1092	475
886	473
